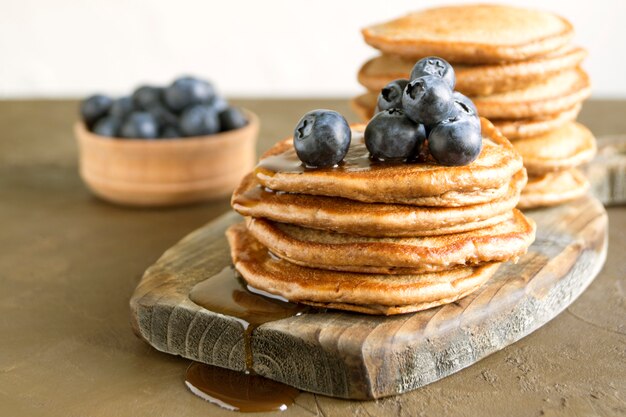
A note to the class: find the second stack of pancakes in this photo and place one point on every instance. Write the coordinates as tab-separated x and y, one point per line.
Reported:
379	238
519	69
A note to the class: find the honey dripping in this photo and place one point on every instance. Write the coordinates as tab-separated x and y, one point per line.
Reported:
226	293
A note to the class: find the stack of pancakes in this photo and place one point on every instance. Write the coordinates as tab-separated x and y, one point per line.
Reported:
519	69
379	238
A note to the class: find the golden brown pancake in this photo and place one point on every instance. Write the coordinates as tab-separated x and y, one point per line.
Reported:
567	147
341	252
553	188
371	219
366	293
473	34
553	95
477	80
424	183
524	128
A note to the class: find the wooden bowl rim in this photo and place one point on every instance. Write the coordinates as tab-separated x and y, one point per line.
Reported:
243	133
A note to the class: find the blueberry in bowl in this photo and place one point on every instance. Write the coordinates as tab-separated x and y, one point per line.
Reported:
120	108
189	107
199	120
94	108
139	124
231	118
188	91
108	126
147	96
154	148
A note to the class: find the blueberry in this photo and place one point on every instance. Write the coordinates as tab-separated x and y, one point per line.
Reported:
218	103
467	104
390	135
463	108
433	65
199	120
322	138
390	96
94	107
170	132
427	100
139	125
121	107
456	141
163	115
107	126
147	96
188	91
232	118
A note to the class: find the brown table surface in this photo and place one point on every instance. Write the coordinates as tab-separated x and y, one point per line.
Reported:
69	263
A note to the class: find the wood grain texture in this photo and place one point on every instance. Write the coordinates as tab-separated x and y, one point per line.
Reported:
359	357
607	172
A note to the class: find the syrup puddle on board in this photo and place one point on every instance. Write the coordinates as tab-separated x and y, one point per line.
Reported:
238	391
226	293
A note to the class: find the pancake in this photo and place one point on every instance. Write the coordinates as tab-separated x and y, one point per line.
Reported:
553	188
553	95
340	252
424	183
524	128
473	34
366	293
567	147
477	80
368	219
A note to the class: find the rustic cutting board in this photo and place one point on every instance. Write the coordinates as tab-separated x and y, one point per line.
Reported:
363	357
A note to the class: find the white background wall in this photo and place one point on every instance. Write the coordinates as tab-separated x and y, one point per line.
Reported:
52	48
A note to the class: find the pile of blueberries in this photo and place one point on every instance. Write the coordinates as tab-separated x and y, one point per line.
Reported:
409	113
187	107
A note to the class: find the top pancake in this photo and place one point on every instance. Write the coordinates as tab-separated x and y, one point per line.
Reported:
472	34
423	183
476	80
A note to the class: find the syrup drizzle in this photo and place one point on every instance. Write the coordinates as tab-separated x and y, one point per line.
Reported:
356	160
227	293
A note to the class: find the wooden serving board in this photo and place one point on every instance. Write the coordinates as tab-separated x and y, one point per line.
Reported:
363	357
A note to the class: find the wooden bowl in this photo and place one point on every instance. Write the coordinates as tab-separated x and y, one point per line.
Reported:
166	172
